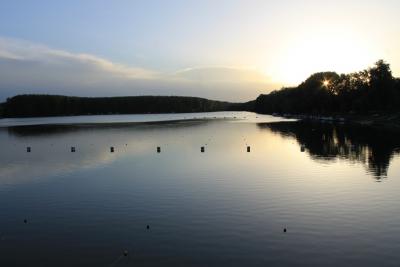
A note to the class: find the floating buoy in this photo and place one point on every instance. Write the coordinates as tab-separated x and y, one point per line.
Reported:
148	227
25	221
112	149
158	149
284	230
72	149
28	149
125	253
248	148
202	149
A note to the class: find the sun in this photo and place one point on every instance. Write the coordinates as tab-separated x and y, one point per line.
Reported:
319	52
325	83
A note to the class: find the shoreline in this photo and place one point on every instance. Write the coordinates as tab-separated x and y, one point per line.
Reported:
378	121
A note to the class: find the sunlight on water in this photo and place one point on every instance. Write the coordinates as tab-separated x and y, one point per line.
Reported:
338	199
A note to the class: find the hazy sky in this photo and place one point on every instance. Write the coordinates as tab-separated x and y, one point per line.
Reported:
219	49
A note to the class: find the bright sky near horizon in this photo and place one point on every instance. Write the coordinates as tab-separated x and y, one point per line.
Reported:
227	49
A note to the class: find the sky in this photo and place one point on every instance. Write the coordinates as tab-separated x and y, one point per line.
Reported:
227	49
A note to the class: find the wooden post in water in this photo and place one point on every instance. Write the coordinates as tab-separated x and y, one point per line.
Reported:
112	149
158	149
202	149
248	149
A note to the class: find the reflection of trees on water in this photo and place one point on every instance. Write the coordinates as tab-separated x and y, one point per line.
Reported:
65	129
326	141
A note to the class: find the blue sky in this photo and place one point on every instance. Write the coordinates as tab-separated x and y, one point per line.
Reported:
223	49
157	34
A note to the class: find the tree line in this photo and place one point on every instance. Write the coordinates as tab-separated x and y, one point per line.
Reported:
370	91
56	105
373	90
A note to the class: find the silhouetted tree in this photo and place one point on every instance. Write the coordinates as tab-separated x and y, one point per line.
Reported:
367	91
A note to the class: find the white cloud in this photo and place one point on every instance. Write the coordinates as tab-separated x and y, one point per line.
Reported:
222	74
27	67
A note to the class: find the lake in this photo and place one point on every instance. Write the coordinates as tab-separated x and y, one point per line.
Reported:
334	188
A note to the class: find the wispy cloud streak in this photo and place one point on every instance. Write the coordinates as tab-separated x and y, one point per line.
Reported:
27	67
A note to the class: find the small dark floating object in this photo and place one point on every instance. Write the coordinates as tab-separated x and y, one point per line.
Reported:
202	149
248	148
112	149
28	149
72	149
158	149
148	227
125	253
284	230
25	221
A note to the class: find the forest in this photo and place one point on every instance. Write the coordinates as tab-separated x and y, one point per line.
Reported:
370	91
56	105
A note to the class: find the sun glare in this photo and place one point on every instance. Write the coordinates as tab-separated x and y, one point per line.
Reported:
322	52
325	83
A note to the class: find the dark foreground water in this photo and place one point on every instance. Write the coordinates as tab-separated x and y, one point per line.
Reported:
339	199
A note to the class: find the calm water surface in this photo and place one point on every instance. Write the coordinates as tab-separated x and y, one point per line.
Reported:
339	198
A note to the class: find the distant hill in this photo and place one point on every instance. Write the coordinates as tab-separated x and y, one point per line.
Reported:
57	105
